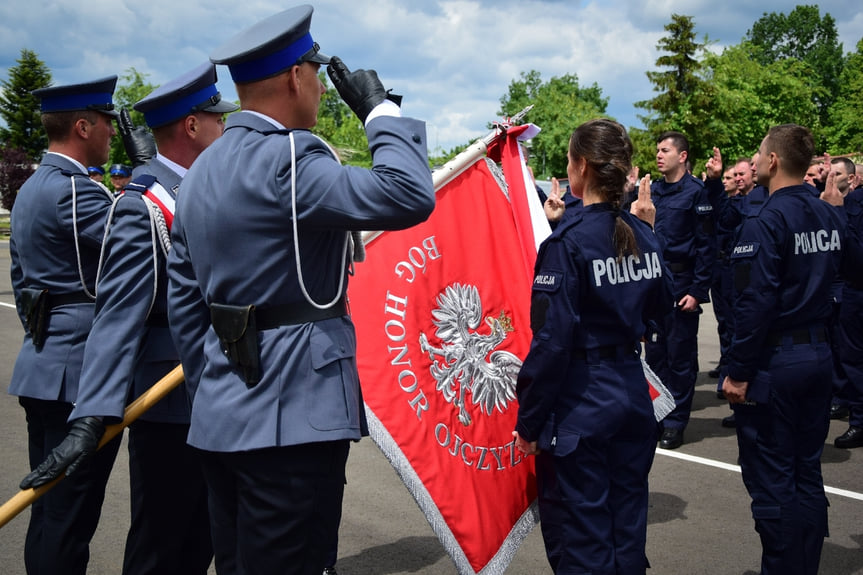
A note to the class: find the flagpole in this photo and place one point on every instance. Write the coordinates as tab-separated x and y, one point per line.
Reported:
21	500
446	173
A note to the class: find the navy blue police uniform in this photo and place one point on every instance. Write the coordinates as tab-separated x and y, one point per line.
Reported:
57	226
582	391
256	303
733	211
130	348
685	228
851	319
783	264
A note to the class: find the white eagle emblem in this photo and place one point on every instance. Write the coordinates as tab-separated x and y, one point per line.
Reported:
462	364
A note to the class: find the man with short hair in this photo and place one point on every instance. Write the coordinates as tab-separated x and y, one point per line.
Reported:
743	176
256	296
779	364
728	183
844	173
685	228
58	222
813	175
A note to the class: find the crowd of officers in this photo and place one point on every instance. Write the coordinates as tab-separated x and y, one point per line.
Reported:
779	257
776	241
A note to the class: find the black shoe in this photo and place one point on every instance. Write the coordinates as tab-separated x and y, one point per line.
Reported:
838	411
330	571
671	438
729	421
850	439
713	373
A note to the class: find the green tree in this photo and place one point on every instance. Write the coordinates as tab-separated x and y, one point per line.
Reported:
805	36
845	134
747	98
131	88
682	93
560	105
20	109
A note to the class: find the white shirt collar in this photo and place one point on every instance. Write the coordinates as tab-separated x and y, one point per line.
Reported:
267	118
73	160
174	166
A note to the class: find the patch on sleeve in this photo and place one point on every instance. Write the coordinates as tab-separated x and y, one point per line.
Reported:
745	250
539	312
547	281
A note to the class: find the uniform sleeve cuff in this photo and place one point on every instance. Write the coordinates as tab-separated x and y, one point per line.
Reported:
385	108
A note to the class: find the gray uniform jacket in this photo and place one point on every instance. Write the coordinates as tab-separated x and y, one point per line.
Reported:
130	346
233	243
44	256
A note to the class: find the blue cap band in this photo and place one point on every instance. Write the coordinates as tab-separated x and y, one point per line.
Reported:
70	102
271	64
179	108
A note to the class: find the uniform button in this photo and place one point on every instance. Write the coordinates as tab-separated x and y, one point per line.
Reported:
417	138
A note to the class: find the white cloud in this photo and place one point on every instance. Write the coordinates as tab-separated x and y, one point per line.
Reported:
452	59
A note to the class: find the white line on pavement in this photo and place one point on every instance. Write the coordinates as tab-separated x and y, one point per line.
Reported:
4	304
736	469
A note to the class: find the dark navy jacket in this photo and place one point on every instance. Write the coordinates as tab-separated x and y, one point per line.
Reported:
685	228
583	299
784	262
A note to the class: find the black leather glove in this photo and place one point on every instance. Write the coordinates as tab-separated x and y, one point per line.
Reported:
361	90
76	448
138	141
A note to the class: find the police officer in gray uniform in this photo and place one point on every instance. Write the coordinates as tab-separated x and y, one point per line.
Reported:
58	223
256	297
130	347
780	365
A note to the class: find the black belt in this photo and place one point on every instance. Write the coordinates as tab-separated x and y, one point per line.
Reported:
296	313
797	336
604	352
679	267
58	299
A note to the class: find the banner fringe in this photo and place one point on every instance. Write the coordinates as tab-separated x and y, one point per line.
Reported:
501	560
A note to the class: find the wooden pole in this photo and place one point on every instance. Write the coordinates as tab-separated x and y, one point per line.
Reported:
145	401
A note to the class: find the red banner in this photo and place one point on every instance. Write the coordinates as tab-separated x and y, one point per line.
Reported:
442	318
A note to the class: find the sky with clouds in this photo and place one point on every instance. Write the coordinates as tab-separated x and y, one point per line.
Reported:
451	59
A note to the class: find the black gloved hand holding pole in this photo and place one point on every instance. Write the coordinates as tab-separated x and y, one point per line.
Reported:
80	443
361	90
138	141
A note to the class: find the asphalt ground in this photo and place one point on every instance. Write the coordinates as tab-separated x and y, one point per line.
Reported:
699	518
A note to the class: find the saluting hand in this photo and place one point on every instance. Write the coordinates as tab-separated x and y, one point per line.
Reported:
831	193
714	164
137	140
554	207
361	90
643	207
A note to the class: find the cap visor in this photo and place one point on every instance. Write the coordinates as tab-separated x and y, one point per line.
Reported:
222	107
319	58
